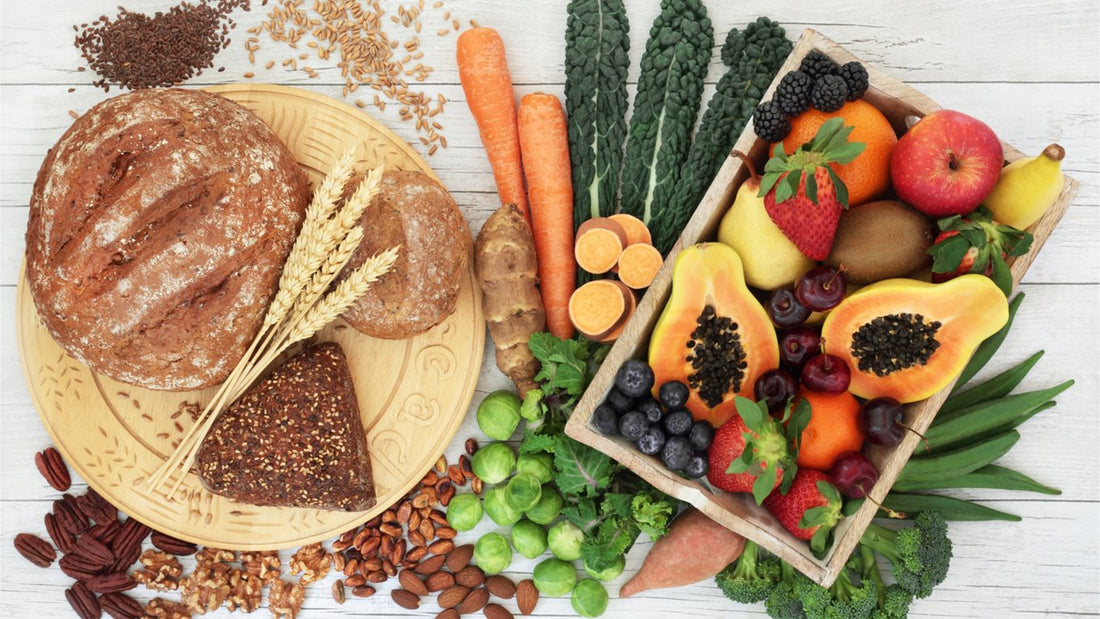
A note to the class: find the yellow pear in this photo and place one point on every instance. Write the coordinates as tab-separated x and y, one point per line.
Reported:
1027	188
770	259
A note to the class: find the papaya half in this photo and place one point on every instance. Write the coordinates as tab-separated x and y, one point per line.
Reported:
713	335
907	339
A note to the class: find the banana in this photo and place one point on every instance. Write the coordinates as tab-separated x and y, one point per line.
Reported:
1027	188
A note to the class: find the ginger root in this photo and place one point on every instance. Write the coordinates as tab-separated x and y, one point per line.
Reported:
507	270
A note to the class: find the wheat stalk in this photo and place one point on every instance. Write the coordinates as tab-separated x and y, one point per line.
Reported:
329	236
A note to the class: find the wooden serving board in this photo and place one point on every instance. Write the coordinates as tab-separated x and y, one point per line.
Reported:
412	393
738	511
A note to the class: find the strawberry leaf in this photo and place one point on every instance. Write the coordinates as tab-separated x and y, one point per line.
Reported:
768	182
811	187
797	418
947	255
764	483
839	187
848	152
750	413
789	472
744	462
1001	275
826	134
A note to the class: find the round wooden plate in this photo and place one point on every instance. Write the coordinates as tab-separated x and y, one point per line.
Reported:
413	393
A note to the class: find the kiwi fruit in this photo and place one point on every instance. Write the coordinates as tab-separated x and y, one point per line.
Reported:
879	240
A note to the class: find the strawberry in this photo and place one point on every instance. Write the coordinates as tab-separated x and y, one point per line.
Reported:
753	452
809	509
802	193
977	244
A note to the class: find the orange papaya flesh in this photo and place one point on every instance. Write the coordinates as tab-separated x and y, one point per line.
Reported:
908	339
713	335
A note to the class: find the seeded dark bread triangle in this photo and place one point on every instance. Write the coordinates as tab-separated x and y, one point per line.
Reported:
295	439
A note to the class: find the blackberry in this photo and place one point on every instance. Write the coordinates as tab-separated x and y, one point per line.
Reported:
770	123
855	76
817	65
830	93
793	93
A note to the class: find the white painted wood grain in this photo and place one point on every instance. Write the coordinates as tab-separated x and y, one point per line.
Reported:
1030	69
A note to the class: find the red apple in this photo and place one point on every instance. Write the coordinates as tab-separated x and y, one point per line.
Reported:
946	164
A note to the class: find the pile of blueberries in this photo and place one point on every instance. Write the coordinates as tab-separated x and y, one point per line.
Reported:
657	426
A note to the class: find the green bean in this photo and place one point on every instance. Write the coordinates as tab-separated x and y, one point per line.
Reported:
967	423
987	348
996	387
990	476
959	461
951	508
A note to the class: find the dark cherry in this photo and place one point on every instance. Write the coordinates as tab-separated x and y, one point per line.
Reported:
785	310
828	373
798	345
776	387
881	421
821	288
853	474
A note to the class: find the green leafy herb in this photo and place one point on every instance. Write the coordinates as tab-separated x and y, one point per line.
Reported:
580	469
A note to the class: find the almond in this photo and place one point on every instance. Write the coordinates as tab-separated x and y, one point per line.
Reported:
470	576
415	555
496	611
475	601
431	565
527	596
338	593
452	597
501	587
440	581
460	557
412	582
363	591
448	613
405	599
441	547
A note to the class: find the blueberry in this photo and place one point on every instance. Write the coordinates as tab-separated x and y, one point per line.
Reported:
678	423
702	433
676	453
651	408
652	441
634	378
673	394
606	419
632	425
621	403
696	467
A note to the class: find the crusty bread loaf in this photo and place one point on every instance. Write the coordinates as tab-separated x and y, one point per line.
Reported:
294	439
158	227
421	289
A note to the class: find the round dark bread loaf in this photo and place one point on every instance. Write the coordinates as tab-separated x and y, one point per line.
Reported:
159	224
421	288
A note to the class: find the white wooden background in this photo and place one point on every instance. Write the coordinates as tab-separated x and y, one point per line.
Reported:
1030	69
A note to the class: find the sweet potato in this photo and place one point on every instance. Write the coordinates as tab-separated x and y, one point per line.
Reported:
598	245
695	548
600	308
638	265
507	271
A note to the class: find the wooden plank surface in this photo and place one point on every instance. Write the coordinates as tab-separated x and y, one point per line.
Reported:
1030	69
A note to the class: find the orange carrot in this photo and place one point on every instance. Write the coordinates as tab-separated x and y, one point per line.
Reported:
545	145
483	71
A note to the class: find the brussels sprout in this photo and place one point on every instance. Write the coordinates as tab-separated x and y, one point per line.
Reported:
498	415
494	462
541	465
589	598
611	573
565	540
554	577
498	509
547	509
523	492
492	553
531	409
464	511
529	539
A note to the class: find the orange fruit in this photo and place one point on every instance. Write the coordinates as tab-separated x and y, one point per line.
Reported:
868	175
833	429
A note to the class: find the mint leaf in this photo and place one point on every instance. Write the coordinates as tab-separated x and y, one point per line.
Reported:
581	470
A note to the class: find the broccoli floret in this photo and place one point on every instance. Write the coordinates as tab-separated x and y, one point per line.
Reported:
815	598
750	579
784	601
920	554
853	595
895	603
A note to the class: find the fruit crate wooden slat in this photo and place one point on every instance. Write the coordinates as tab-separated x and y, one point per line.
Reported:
738	511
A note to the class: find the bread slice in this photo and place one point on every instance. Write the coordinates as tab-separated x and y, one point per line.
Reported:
294	439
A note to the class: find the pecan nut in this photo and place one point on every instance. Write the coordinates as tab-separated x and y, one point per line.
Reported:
69	518
52	467
79	567
94	550
105	533
172	545
35	549
64	540
120	606
83	601
112	582
96	508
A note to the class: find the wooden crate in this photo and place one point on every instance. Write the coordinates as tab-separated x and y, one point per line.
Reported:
738	511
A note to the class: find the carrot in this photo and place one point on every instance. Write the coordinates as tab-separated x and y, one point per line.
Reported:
600	309
544	142
638	265
636	230
598	245
694	549
483	71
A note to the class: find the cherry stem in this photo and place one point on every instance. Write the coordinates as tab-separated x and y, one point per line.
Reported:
927	445
840	269
889	512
